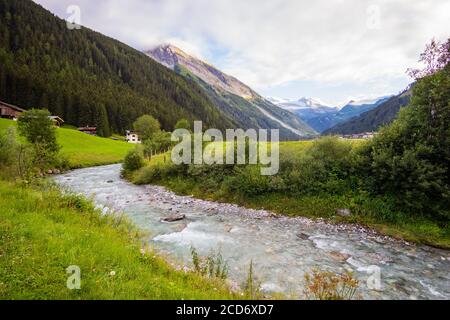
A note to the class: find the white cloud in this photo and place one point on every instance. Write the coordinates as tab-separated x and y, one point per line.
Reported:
268	43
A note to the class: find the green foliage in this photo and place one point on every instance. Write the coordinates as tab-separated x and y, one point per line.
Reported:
16	159
252	288
410	160
88	78
160	142
211	266
36	126
322	285
43	232
134	160
81	150
146	126
8	147
183	124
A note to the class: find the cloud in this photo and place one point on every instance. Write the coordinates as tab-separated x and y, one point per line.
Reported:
270	43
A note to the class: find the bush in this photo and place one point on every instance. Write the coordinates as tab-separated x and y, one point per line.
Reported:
36	126
410	160
212	266
16	159
134	160
329	286
322	167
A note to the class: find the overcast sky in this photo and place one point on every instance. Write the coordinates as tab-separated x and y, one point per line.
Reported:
334	50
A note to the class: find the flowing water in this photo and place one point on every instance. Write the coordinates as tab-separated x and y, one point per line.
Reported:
282	249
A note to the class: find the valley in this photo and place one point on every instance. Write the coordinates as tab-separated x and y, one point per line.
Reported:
116	181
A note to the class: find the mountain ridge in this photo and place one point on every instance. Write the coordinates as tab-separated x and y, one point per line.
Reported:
322	117
373	119
246	107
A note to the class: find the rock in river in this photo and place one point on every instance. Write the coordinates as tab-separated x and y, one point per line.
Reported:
343	212
174	218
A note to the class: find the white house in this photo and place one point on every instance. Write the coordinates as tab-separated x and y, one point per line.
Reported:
132	137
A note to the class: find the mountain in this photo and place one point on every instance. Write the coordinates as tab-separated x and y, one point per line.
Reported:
88	78
307	108
372	120
237	100
321	117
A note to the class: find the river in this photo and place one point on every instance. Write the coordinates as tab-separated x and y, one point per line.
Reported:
282	249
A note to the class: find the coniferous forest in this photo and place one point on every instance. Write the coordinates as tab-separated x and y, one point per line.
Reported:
88	78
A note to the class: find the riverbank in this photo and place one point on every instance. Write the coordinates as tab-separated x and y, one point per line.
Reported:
369	212
420	231
281	248
43	232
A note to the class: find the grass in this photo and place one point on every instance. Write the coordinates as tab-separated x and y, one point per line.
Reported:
83	150
42	232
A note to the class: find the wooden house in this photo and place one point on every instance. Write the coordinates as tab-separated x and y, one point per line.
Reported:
10	111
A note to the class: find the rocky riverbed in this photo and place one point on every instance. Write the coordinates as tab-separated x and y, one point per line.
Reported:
282	249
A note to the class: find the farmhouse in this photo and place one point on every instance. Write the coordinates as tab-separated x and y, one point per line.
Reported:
57	121
132	137
10	111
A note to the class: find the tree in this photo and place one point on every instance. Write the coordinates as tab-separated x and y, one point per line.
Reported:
36	126
160	142
435	57
410	160
146	126
183	124
134	160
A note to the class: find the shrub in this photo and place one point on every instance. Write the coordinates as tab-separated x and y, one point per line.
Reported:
410	160
329	286
134	160
16	159
322	167
212	266
252	287
36	126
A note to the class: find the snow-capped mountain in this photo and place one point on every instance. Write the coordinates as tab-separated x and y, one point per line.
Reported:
306	108
234	98
321	116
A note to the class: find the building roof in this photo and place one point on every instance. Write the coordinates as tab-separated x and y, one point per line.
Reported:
57	118
11	106
88	129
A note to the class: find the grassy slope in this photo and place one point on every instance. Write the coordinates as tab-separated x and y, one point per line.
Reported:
83	150
43	232
365	211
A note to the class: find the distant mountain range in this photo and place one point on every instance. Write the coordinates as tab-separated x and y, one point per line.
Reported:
235	99
322	117
373	119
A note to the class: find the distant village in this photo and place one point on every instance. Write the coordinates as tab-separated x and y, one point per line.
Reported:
364	135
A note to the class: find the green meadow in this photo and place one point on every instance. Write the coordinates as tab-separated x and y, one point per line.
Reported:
43	232
83	150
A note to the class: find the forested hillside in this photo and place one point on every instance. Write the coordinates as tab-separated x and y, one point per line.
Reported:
373	119
88	78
